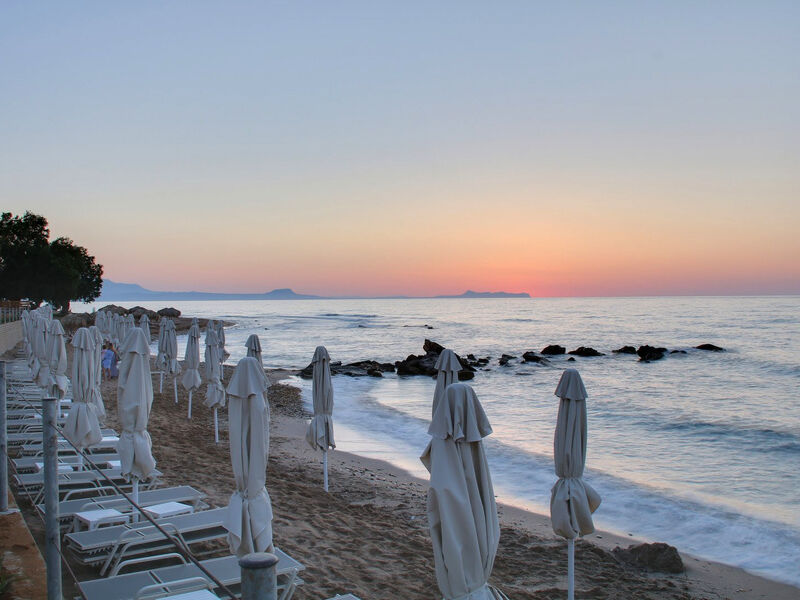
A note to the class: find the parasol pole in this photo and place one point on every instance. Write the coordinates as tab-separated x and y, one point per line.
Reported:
216	426
571	569
325	469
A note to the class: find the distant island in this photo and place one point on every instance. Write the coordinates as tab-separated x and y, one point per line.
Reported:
115	291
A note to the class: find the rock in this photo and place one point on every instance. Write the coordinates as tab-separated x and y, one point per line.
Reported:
432	347
503	360
138	311
483	361
625	350
114	309
679	352
74	321
653	557
361	368
465	375
586	351
169	312
649	353
471	357
553	350
571	359
710	348
417	365
531	356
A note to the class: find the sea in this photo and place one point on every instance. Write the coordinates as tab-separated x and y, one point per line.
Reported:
700	450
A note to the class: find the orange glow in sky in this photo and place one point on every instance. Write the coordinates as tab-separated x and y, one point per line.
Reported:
386	150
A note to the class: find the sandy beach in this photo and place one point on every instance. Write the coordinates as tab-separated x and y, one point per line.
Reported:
369	535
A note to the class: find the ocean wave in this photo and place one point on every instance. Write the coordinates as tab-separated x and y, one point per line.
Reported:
759	439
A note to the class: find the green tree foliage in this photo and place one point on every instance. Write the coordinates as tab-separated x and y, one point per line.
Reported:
32	267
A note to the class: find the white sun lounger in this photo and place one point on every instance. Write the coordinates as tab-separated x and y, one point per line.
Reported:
183	493
109	546
35	438
109	442
27	464
33	483
226	569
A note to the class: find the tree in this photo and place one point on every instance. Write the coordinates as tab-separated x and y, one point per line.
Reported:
34	268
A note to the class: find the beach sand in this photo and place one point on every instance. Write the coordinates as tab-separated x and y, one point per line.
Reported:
369	534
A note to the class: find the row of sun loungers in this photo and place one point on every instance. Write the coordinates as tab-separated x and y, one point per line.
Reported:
123	544
113	543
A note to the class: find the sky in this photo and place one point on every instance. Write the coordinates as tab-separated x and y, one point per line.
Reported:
419	148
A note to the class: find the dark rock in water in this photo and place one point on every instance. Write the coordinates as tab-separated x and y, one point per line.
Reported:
571	359
503	361
625	350
483	361
531	356
653	557
361	368
554	349
428	326
585	351
710	348
649	353
471	357
114	309
432	347
169	312
678	352
465	375
417	365
138	311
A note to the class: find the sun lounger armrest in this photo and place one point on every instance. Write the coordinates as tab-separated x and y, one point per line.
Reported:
181	586
146	559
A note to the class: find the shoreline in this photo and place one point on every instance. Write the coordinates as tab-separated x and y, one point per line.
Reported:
702	578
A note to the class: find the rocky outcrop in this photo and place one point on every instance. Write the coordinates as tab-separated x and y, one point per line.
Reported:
413	364
650	353
138	311
117	310
710	348
531	357
361	368
71	322
653	557
625	350
585	351
678	352
554	350
170	312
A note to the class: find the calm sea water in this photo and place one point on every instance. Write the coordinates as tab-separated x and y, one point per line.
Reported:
700	450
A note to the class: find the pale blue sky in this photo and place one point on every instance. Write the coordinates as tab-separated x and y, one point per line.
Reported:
680	120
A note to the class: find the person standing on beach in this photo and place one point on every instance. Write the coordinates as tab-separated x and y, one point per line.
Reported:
108	355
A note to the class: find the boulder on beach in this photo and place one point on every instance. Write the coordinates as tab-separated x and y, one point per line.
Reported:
650	353
710	348
659	557
114	309
585	351
169	312
74	321
553	350
138	311
625	350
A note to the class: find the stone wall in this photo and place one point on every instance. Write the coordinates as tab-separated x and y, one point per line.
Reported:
10	335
